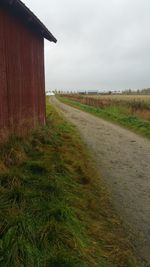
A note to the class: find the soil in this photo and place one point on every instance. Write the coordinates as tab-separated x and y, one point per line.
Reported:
123	160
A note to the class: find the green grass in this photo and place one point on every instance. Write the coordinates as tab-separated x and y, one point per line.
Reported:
55	211
116	114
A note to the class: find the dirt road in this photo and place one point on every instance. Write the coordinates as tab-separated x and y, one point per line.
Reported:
123	160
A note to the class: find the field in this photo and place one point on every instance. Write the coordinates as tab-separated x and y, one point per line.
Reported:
138	105
55	211
132	112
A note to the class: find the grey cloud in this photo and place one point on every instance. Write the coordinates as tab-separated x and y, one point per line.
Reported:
101	43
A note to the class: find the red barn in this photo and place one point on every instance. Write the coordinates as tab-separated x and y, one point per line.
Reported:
22	81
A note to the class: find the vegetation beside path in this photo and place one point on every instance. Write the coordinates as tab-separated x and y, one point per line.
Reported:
55	211
131	114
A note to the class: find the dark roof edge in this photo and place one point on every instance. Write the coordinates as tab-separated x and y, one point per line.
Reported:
22	9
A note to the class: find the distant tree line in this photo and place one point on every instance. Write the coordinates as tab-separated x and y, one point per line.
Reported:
145	91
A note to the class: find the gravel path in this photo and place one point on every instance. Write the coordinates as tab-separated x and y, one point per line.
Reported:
123	159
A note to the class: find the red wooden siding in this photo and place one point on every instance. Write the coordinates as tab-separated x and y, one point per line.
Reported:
22	94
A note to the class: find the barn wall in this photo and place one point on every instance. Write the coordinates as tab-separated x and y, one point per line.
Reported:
3	79
22	94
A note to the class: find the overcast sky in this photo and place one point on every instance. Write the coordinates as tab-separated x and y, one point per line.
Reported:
102	44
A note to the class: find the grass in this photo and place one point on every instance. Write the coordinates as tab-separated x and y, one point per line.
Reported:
114	112
55	211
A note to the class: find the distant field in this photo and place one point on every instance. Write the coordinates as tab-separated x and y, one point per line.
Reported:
125	98
137	104
145	98
131	111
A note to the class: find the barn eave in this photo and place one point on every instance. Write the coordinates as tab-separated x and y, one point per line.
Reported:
24	13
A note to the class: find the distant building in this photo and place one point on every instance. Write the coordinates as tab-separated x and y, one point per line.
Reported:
22	81
82	92
88	92
92	92
116	92
50	93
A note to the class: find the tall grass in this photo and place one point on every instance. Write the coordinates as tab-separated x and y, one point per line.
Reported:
54	211
133	103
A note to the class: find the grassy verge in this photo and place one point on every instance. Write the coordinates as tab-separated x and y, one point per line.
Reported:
54	210
116	114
